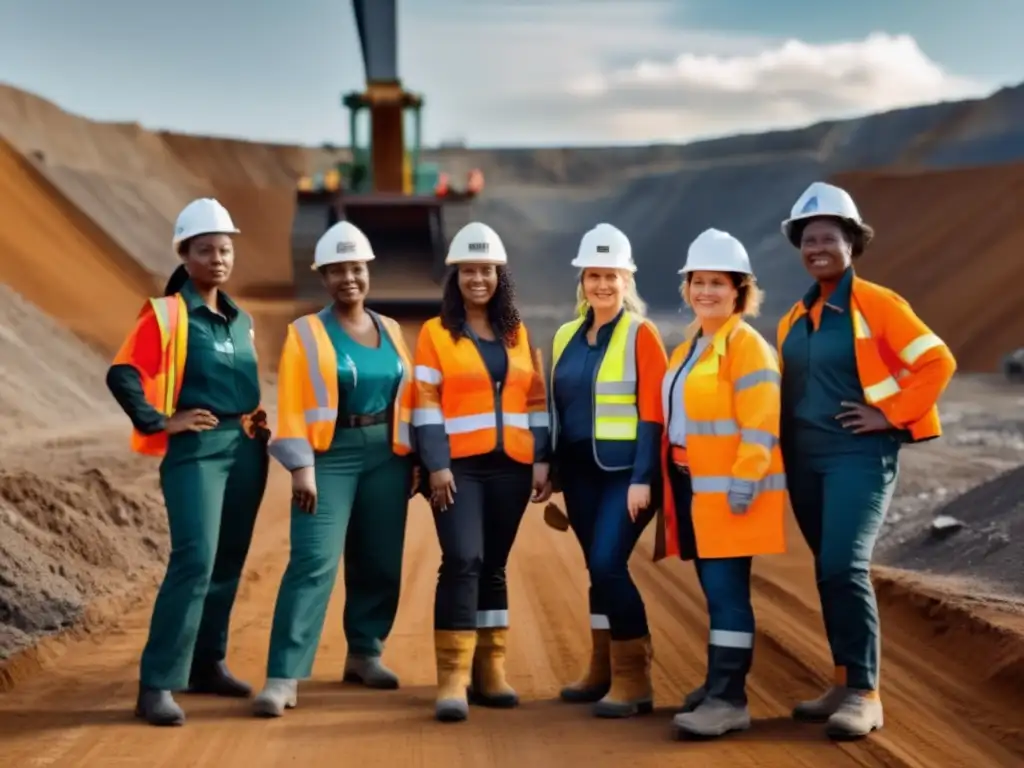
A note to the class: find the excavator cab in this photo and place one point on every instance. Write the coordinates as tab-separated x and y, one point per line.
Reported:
405	206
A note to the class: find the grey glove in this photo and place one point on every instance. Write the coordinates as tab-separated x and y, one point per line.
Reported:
741	494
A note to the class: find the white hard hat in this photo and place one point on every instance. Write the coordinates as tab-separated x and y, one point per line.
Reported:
605	247
716	251
476	243
821	199
204	216
342	242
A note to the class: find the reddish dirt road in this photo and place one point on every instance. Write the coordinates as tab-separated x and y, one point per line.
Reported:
944	707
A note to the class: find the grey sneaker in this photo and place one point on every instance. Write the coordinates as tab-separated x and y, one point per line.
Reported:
369	671
822	708
277	695
856	717
712	717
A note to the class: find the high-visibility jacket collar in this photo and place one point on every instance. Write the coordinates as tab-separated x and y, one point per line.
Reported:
840	298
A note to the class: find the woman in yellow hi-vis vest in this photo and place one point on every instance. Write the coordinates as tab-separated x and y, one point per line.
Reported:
861	375
724	486
482	434
344	407
606	372
187	378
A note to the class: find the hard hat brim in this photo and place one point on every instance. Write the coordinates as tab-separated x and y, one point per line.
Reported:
316	265
787	225
475	260
590	265
687	270
178	240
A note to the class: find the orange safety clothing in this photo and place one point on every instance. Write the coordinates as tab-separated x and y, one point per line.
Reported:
732	400
308	395
454	389
157	348
903	366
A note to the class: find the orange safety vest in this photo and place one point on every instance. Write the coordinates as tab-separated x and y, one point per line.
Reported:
308	396
902	365
732	402
157	348
454	389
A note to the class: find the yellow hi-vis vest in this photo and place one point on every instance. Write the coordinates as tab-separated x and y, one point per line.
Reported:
308	397
616	416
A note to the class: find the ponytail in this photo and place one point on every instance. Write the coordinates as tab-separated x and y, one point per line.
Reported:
177	281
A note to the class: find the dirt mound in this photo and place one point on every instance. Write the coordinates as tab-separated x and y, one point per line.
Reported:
951	243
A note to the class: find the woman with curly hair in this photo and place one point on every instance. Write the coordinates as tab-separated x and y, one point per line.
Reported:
481	427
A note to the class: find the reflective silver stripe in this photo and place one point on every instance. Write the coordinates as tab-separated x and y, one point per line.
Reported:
485	619
887	387
320	414
758	437
404	433
615	387
539	420
720	483
725	638
428	375
919	346
752	379
422	417
292	452
615	411
461	424
861	329
709	427
304	327
519	420
598	621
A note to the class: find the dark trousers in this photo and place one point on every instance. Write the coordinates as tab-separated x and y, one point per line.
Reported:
840	502
476	535
726	585
595	501
213	484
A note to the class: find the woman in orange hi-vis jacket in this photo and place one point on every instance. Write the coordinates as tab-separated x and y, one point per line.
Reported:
861	375
344	407
724	482
481	427
606	370
187	377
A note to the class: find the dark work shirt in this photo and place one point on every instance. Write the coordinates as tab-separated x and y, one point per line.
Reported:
221	373
574	377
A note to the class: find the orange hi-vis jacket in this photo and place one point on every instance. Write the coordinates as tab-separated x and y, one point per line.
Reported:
157	348
903	367
454	390
308	396
732	399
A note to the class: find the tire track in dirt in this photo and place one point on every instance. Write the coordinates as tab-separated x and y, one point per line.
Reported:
78	712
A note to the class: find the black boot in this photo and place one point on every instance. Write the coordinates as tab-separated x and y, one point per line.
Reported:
214	678
158	707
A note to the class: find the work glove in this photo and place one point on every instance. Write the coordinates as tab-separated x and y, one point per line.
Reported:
741	493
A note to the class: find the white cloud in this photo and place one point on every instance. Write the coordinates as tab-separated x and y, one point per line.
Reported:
505	74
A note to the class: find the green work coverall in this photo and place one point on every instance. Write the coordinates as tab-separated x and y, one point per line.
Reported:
362	498
213	483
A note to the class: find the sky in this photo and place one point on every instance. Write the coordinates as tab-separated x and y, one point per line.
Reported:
511	72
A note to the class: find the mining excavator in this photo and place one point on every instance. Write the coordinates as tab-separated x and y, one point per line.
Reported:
406	206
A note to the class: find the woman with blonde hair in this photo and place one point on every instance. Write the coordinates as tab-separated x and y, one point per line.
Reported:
607	367
724	486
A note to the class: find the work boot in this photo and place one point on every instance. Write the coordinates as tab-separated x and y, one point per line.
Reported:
489	687
630	692
712	717
859	714
277	695
369	671
598	678
214	678
158	707
693	699
454	653
822	708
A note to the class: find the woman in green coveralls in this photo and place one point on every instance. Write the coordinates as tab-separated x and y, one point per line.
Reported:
214	470
348	501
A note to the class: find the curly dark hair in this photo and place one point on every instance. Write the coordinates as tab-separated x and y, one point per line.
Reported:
501	309
859	236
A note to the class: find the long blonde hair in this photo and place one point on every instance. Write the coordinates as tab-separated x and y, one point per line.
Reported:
631	300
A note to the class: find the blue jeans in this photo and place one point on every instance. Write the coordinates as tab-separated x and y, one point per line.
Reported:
595	501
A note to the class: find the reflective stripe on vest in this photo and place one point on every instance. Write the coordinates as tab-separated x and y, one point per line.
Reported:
888	385
616	416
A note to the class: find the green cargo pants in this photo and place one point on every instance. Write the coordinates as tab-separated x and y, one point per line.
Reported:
840	501
362	500
213	483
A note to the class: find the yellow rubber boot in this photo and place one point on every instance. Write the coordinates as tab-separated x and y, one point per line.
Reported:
490	688
598	678
453	650
631	692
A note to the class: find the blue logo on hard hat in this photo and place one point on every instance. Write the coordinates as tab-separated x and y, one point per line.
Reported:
811	205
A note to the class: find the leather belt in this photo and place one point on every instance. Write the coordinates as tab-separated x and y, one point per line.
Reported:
356	420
